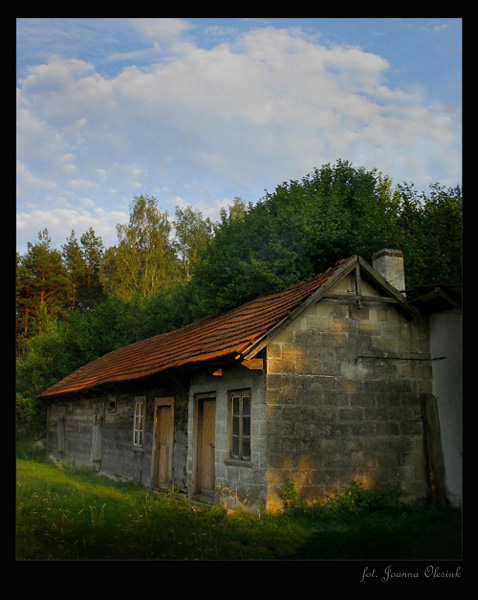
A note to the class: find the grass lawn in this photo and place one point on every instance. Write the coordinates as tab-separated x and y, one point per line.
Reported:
392	534
69	513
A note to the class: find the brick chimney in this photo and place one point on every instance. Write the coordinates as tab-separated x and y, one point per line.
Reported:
390	264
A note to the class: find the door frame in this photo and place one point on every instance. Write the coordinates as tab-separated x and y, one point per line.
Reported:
159	403
198	403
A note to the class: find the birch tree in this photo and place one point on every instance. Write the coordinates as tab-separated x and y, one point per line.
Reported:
144	259
192	231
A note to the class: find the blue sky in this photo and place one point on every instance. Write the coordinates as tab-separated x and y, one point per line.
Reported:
198	111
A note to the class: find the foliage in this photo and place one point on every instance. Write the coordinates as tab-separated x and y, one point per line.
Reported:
45	362
192	232
144	259
40	286
83	262
25	413
356	497
290	496
75	305
305	226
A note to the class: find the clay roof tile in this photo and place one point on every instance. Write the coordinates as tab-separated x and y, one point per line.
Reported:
227	334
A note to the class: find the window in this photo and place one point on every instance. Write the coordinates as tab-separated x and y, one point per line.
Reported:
241	426
138	423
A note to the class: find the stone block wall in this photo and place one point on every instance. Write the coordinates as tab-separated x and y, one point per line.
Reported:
117	456
236	481
343	400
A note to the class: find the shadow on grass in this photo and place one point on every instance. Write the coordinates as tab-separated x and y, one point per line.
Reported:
428	533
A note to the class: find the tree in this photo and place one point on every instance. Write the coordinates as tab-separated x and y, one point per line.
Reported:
429	231
155	282
75	267
92	250
192	231
44	362
144	259
234	212
304	227
41	286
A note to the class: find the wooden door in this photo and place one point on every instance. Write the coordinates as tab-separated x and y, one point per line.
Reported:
206	445
163	443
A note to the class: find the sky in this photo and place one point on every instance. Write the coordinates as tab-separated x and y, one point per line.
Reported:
198	111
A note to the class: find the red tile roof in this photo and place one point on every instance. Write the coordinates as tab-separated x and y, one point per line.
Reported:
229	334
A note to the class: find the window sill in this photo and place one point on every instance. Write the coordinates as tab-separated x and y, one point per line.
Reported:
236	462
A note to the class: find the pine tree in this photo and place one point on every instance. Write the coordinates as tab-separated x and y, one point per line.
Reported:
75	267
42	284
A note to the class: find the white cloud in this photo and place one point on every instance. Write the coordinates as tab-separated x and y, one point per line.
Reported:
436	28
61	221
29	181
160	29
269	106
36	138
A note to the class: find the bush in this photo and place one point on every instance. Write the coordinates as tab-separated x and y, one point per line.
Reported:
356	497
25	412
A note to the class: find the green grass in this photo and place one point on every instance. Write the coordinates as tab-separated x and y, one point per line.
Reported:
66	513
429	533
70	513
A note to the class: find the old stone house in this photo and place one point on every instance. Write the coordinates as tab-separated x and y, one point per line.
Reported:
324	383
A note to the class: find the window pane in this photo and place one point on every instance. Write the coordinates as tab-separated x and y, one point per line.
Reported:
235	447
138	422
235	425
246	448
241	426
246	427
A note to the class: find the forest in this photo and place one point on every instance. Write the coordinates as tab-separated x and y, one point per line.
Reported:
83	300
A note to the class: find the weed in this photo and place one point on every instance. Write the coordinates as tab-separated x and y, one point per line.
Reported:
355	496
290	496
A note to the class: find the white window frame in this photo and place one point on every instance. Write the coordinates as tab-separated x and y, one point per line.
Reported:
139	415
